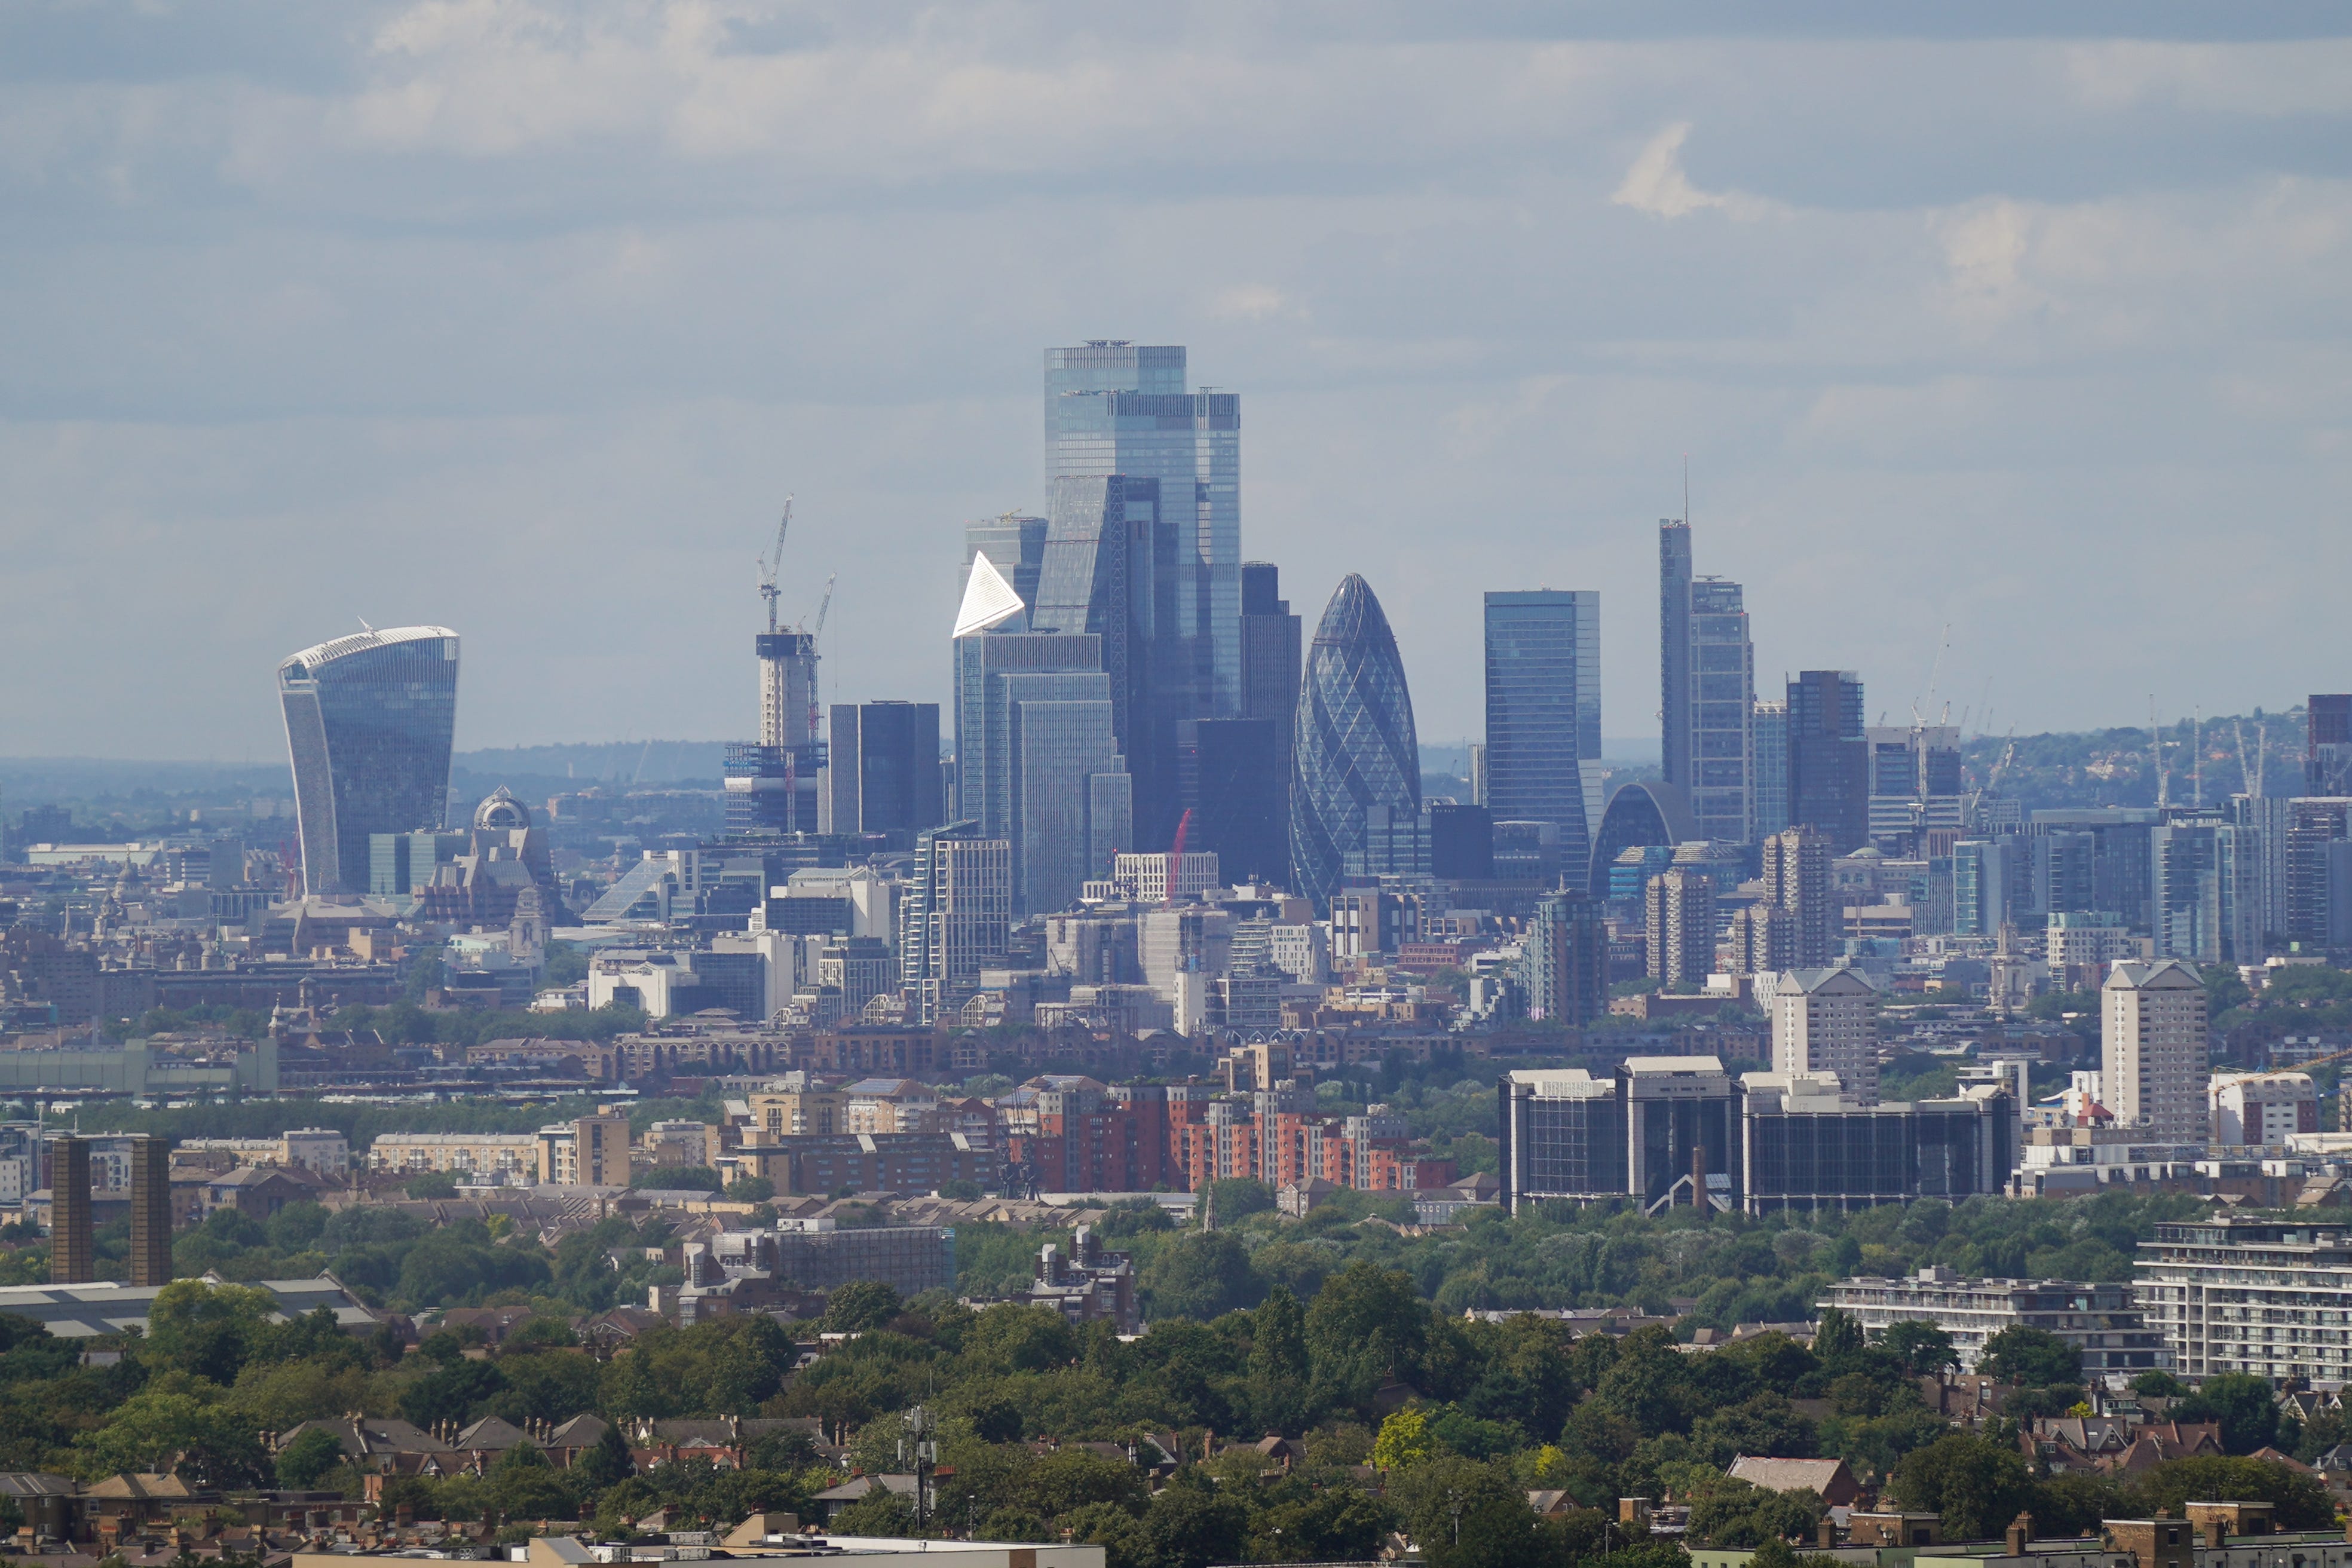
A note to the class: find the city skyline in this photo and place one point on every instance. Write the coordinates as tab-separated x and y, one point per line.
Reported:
1921	378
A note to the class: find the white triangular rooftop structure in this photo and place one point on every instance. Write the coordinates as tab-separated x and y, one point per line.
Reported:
988	599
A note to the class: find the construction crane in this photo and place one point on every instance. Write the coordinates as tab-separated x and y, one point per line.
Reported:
772	562
2007	754
818	631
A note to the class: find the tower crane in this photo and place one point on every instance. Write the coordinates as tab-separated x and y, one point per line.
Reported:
772	562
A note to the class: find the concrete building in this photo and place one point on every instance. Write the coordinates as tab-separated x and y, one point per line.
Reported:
591	1151
1565	959
2103	1321
150	1211
2153	1047
2261	1109
2084	944
1829	759
1826	1021
1800	924
2262	1296
508	1156
73	1258
1679	910
957	918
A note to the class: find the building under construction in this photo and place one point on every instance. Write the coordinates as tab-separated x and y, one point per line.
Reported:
772	784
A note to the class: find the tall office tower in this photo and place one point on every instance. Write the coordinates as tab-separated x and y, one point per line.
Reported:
73	1255
1770	771
369	721
2269	818
1479	774
1109	570
1797	888
1234	775
1680	907
1273	656
1826	1020
956	920
1674	650
2315	827
2064	872
1829	760
1461	842
1543	716
1113	407
1985	877
1356	747
1566	962
1014	544
1707	694
1914	787
2119	875
2207	902
151	1211
2152	1047
2328	753
882	768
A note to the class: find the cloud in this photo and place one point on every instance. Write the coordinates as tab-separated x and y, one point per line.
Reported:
1657	186
1253	302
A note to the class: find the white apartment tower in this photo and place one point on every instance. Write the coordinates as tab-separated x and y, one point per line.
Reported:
1826	1021
2152	1047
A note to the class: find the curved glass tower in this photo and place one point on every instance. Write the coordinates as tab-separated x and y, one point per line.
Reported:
1355	747
369	721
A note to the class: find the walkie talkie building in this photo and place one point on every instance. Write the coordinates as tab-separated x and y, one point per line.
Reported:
1355	747
368	724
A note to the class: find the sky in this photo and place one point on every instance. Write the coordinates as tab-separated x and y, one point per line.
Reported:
2029	321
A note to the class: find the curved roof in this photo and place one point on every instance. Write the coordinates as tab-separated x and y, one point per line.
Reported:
362	642
1356	746
1645	812
500	812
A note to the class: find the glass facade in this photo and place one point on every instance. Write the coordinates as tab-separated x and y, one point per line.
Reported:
1543	716
368	724
1829	760
1722	710
1231	774
1641	814
1071	799
1014	545
1356	746
1119	408
1768	774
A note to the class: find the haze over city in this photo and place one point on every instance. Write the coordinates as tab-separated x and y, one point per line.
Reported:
523	319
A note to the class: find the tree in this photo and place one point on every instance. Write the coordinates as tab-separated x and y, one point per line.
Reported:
1339	1524
1200	1276
1977	1485
1465	1514
860	1306
1403	1441
208	1331
606	1464
1728	1512
2158	1383
432	1185
1650	1383
1365	1325
1279	1367
1925	1350
303	1461
751	1189
2244	1404
2033	1358
2301	1501
1837	1337
1763	1424
1191	1525
159	1430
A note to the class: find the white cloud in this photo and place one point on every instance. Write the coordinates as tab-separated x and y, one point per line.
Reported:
1657	186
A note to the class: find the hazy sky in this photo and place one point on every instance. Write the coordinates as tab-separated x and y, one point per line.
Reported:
522	318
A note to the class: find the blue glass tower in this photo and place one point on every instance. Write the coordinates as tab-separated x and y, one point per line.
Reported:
1543	716
1355	746
368	724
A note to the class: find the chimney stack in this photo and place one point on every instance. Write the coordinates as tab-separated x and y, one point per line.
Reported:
2020	1531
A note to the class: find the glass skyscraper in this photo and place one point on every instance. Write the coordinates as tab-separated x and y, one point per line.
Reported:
1014	544
370	719
1543	716
1707	691
1115	407
1829	760
1355	746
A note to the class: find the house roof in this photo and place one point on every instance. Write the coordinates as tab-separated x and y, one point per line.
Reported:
491	1431
142	1485
1788	1475
371	1435
859	1485
579	1432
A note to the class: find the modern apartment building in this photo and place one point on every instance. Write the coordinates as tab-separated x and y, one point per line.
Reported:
2103	1321
2153	1047
2262	1296
1826	1021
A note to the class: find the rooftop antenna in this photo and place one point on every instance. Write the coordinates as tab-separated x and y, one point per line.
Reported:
364	626
771	563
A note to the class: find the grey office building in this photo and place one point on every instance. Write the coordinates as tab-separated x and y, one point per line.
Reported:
882	772
1707	664
368	724
1543	716
1115	407
1829	759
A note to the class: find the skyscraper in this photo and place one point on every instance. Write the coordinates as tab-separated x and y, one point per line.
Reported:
1014	544
1037	756
368	724
2207	897
772	784
1826	1020
1915	785
1543	716
1565	959
1273	650
1233	775
73	1253
2152	1049
151	1211
1356	746
1770	771
2328	753
1797	888
882	767
1706	699
1114	407
1829	760
957	917
1673	651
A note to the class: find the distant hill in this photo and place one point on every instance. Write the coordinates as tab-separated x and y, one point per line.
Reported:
2117	767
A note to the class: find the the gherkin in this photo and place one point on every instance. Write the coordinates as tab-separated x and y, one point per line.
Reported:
1356	746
